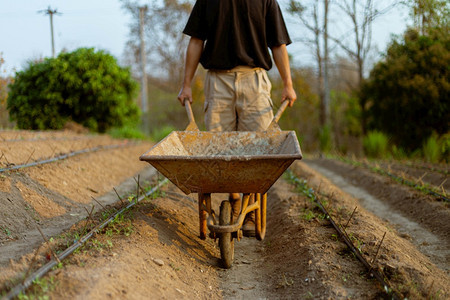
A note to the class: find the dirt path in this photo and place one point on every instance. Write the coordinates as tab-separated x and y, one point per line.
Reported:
245	280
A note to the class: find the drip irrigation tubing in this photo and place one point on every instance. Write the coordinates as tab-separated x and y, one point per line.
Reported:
440	197
14	292
20	137
424	167
372	271
64	156
344	236
37	139
416	165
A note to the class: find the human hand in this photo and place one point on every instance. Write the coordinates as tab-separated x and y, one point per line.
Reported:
289	95
185	93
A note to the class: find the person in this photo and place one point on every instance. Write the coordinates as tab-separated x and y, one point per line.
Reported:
231	39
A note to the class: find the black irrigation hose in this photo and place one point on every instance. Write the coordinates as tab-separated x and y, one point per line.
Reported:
47	267
413	185
344	236
373	272
37	139
64	156
424	167
440	197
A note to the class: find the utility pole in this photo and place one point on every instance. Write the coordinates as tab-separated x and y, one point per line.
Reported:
144	98
51	12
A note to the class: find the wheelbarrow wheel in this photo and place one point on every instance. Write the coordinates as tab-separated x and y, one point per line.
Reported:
226	243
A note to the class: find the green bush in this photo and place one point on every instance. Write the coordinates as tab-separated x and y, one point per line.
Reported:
127	132
85	86
325	139
431	149
444	141
407	92
398	153
375	144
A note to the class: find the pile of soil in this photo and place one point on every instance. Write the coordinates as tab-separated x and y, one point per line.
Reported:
155	251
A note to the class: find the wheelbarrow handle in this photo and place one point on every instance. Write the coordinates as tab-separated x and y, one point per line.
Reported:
273	126
192	126
190	114
280	111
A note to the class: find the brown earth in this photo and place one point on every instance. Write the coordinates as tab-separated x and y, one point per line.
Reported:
54	196
421	217
155	251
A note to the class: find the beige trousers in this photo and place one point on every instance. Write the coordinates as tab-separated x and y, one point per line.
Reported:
238	100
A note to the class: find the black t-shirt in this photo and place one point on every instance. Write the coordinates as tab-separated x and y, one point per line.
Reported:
237	32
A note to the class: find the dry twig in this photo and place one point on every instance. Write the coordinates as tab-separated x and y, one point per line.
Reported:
49	246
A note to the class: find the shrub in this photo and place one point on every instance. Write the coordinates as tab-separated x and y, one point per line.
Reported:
444	141
407	92
127	132
325	139
398	153
84	86
431	149
375	144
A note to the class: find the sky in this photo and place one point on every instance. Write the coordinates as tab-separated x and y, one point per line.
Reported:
103	24
25	32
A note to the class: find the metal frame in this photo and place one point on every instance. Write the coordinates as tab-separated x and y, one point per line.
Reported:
207	216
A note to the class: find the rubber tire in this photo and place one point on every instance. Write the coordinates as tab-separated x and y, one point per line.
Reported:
226	243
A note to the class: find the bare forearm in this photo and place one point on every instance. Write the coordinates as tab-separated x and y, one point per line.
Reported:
193	53
281	58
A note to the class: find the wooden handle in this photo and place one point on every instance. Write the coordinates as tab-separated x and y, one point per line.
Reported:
190	114
280	111
192	126
273	126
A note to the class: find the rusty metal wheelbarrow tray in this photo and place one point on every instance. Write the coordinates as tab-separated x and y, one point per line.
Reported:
223	162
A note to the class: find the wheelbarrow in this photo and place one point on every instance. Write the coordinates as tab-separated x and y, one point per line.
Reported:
205	162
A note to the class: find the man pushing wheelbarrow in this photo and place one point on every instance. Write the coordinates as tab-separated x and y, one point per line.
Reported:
231	40
243	150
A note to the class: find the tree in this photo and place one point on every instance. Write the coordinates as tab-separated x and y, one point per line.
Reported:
361	15
165	49
3	94
429	14
317	24
353	35
408	91
4	81
85	86
165	43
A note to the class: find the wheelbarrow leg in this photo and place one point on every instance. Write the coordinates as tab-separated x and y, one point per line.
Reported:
202	199
260	214
226	243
